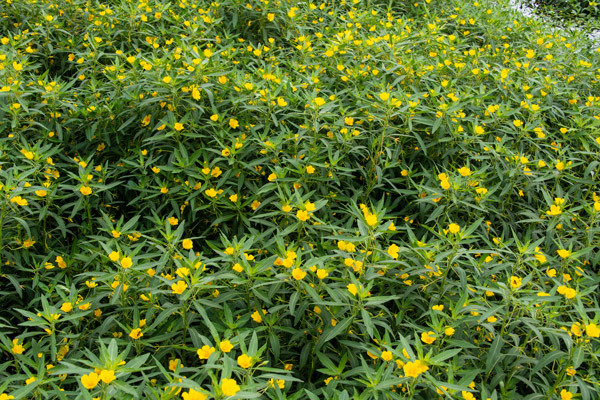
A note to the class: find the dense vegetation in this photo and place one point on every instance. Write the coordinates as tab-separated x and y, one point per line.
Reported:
583	13
293	200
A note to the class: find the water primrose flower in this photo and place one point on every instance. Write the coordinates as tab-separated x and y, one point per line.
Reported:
225	346
413	369
563	253
187	244
194	395
4	396
179	287
244	361
352	289
393	251
302	215
136	333
566	291
17	348
205	352
387	356
257	317
279	382
90	380
464	171
428	337
126	262
298	274
515	282
566	395
592	330
229	387
454	228
107	375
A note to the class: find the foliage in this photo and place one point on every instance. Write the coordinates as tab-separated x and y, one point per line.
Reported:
289	200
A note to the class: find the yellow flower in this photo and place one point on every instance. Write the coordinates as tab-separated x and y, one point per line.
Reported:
187	244
384	96
179	287
17	348
114	256
319	101
205	352
244	361
193	395
560	165
386	356
479	130
279	382
257	317
393	251
174	363
310	169
565	395
298	274
233	123
438	307
322	274
554	210
229	387
225	346
302	215
211	192
454	228
85	190
467	395
41	193
449	331
107	375
414	369
371	219
563	253
352	289
515	282
126	262
566	291
464	171
66	307
136	333
178	126
428	337
90	380
255	204
592	330
4	396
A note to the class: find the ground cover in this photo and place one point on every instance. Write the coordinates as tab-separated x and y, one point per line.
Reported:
288	200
